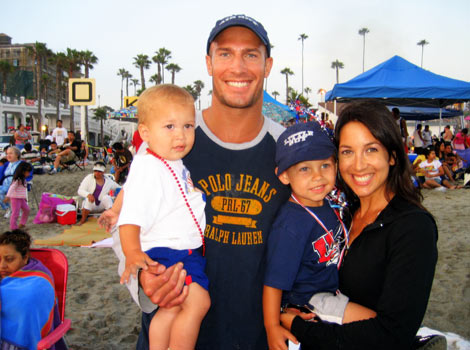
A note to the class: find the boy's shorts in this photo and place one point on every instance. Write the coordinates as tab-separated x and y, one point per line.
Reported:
194	263
328	306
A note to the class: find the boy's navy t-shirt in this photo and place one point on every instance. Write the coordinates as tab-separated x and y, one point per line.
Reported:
302	257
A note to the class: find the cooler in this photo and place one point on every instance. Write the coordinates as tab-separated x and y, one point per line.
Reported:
66	214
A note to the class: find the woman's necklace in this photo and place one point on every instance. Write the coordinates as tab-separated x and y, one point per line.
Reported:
183	194
345	230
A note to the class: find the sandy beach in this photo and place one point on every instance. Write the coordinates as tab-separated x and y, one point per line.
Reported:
104	316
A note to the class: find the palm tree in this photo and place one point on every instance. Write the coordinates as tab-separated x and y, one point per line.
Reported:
307	90
363	32
155	79
303	37
161	58
142	62
88	59
422	43
45	81
337	65
192	91
38	51
135	82
173	68
73	64
275	94
287	72
122	73
59	60
198	86
127	76
5	68
101	114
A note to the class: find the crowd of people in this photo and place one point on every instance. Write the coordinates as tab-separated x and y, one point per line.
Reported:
235	233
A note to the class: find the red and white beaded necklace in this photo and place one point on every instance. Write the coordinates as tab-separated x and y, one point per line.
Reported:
183	194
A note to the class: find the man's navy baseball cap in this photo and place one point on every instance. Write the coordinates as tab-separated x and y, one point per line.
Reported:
240	21
302	142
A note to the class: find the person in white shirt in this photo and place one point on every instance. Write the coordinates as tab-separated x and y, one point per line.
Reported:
59	134
162	213
95	189
427	136
433	172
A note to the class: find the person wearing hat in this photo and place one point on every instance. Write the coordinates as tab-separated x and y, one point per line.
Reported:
95	189
232	161
306	242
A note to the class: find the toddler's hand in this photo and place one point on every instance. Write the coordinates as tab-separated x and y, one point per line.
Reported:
135	260
277	336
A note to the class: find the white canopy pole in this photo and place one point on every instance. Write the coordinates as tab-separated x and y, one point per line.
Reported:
440	120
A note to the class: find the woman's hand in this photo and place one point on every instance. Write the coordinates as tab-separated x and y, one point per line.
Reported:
277	336
288	317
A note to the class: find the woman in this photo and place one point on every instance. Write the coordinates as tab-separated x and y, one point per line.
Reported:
95	189
460	140
27	295
391	253
21	136
6	173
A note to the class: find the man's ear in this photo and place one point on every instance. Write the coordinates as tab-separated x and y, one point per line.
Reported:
283	177
268	66
144	132
209	65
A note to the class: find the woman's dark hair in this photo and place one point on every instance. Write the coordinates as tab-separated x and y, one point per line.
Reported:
381	124
20	170
17	238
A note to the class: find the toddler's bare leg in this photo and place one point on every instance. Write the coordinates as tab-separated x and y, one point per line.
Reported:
185	328
160	328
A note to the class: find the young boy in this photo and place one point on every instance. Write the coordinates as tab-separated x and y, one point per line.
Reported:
305	241
162	213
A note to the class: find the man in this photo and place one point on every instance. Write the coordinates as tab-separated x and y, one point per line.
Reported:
122	160
29	154
95	188
68	153
402	126
232	161
59	134
427	136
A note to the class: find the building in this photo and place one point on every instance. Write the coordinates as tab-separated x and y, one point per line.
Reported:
21	82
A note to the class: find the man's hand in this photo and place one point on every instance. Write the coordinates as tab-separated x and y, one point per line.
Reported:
164	287
277	336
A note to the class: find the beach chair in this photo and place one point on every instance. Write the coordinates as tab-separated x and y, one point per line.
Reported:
57	263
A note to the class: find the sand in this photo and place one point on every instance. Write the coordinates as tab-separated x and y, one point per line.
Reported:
104	316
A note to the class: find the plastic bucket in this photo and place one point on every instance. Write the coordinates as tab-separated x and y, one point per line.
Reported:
66	214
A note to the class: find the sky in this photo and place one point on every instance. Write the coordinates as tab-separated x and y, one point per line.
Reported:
116	31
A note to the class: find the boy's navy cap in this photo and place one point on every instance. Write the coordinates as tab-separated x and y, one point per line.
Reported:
240	21
301	142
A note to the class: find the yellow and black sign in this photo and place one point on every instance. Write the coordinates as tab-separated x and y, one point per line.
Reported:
130	101
82	92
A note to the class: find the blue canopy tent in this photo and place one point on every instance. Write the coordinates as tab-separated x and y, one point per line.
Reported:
425	113
401	83
276	110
